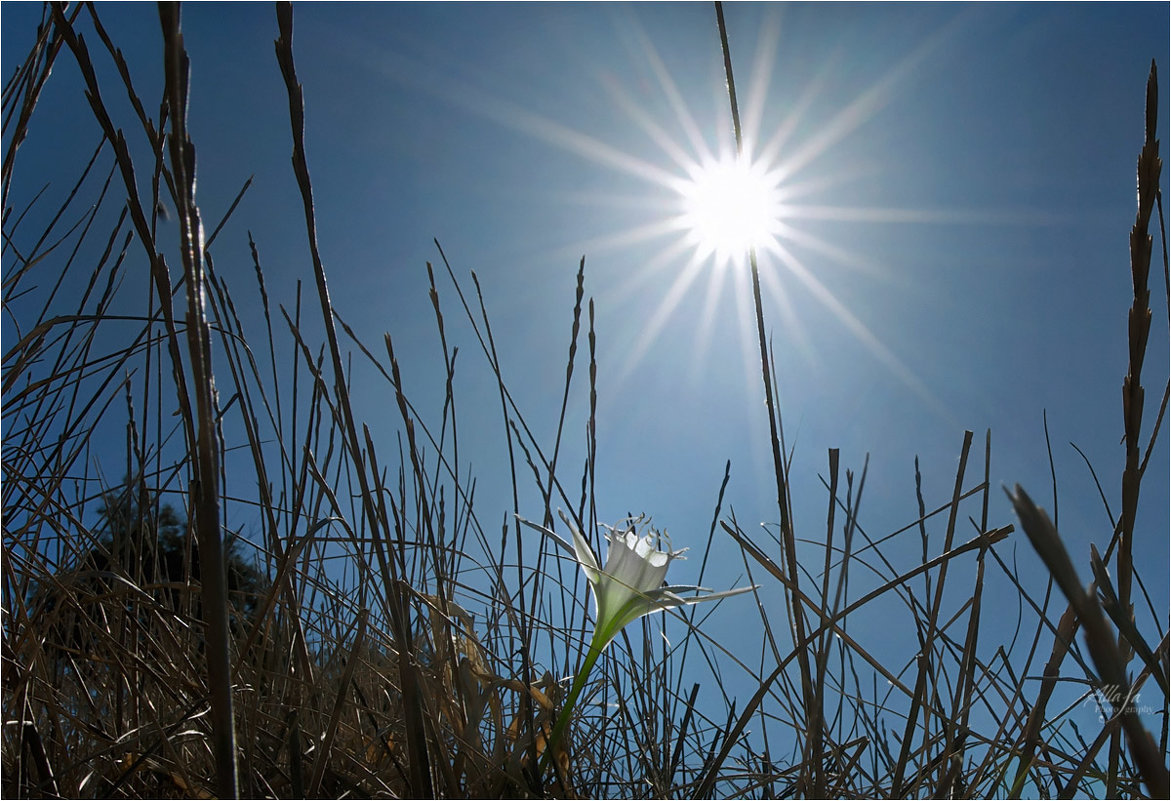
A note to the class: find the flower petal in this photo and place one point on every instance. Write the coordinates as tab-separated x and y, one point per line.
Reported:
556	539
715	596
583	551
633	570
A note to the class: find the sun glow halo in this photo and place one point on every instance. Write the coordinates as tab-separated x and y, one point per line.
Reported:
729	207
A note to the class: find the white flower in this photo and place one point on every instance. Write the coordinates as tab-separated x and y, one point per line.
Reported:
632	582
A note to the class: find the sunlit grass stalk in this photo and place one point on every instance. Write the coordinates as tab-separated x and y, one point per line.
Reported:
788	537
205	448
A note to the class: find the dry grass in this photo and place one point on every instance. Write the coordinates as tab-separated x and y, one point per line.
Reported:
393	649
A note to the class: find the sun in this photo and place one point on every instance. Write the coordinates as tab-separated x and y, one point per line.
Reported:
729	206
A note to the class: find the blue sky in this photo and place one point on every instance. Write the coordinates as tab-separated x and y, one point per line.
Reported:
959	187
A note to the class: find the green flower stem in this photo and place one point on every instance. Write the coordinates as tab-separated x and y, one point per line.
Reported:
597	645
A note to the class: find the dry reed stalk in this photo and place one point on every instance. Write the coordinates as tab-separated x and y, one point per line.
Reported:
205	445
1115	657
811	726
1101	641
1138	328
420	775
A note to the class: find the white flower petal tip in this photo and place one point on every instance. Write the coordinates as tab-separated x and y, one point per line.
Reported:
547	533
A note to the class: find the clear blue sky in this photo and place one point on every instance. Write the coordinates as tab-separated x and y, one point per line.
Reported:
960	187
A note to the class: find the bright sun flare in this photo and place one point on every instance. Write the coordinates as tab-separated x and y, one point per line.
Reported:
729	206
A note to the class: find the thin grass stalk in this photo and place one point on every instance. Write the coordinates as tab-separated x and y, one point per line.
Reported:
154	137
448	408
487	344
1067	628
205	447
575	329
252	433
1102	643
832	621
1149	166
522	621
681	736
1030	739
694	609
326	746
927	640
789	543
1139	322
32	78
823	644
547	489
957	723
711	768
159	271
592	430
399	609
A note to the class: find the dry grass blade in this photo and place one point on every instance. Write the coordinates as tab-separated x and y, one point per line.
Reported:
319	764
1139	326
1110	604
927	641
399	610
26	85
205	446
1101	641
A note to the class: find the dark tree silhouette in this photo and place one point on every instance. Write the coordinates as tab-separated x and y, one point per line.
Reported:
119	641
150	541
144	556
